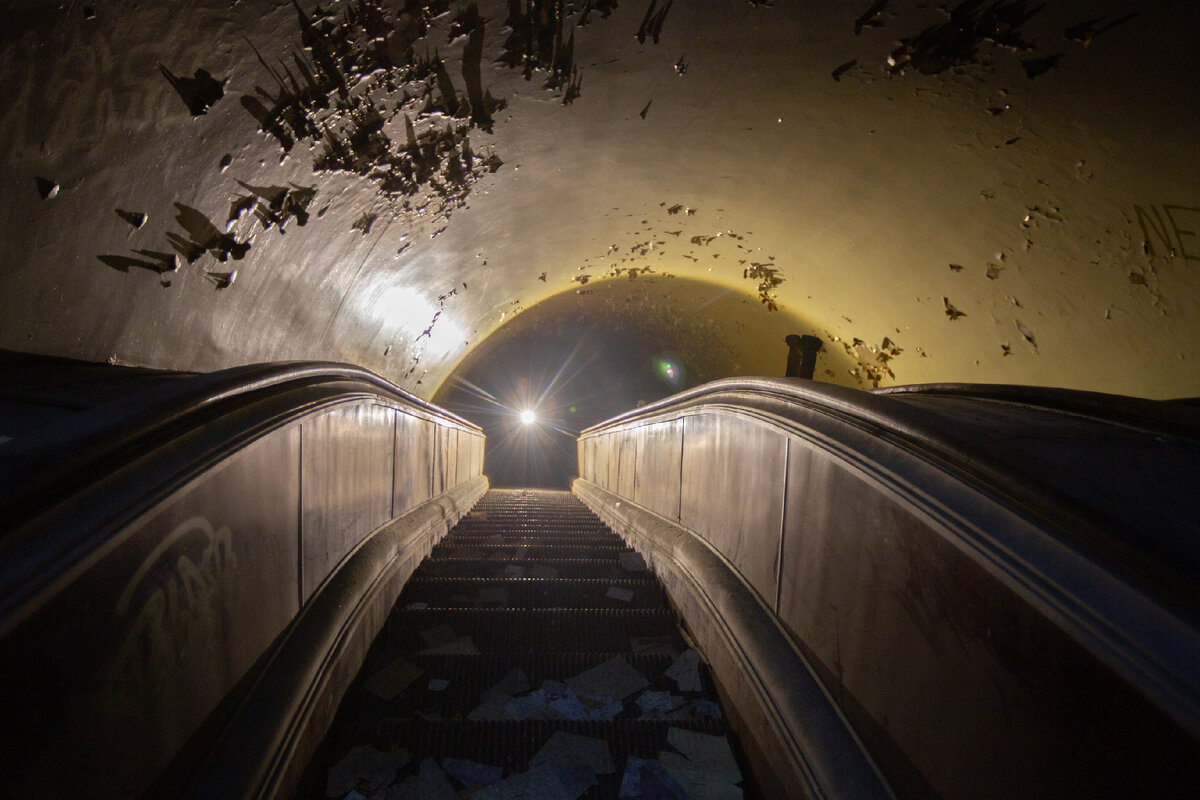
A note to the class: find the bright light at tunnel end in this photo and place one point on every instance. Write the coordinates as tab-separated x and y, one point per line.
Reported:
528	417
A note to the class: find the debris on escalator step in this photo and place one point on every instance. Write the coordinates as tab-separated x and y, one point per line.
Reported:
576	760
393	679
443	640
617	593
524	661
685	671
430	783
472	774
707	753
645	777
656	704
614	678
364	769
539	783
632	561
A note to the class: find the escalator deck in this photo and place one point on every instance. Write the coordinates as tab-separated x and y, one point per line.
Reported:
532	655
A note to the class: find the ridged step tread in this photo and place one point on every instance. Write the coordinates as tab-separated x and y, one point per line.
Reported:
453	687
527	630
452	565
448	549
515	593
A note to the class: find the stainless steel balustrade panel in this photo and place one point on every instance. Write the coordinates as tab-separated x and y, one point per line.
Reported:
159	630
464	462
959	687
626	445
657	472
733	485
346	484
413	483
444	462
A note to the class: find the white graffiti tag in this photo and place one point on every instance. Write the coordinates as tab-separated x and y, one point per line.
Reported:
175	600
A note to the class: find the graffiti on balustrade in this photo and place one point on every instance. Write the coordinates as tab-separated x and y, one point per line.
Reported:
1172	231
175	601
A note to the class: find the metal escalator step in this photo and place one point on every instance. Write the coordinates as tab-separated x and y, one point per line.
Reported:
534	592
508	539
480	687
512	745
527	630
454	565
534	551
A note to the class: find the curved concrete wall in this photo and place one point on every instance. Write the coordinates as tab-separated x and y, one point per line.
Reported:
112	666
972	649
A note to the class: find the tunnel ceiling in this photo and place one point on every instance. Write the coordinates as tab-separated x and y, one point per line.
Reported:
985	191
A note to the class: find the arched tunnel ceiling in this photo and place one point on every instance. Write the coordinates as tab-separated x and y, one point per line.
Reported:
985	192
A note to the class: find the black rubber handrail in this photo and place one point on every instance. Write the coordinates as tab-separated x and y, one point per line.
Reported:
886	415
128	454
117	432
1082	558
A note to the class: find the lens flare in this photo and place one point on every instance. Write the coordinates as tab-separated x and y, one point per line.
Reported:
528	417
668	370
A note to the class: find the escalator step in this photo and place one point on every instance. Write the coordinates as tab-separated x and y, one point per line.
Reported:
534	593
521	539
469	630
455	566
531	626
481	687
448	549
511	744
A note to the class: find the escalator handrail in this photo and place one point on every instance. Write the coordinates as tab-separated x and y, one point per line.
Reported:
67	510
121	431
1158	598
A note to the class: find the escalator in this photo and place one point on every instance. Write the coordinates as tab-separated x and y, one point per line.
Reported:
531	655
291	580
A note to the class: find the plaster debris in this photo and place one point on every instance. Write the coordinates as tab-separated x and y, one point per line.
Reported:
576	760
645	777
515	682
712	752
617	593
870	17
1025	332
653	20
1084	32
222	280
472	774
1035	67
952	312
47	189
393	679
135	218
364	222
364	768
652	644
539	783
842	69
614	678
443	640
956	42
768	278
631	561
657	704
685	671
199	92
